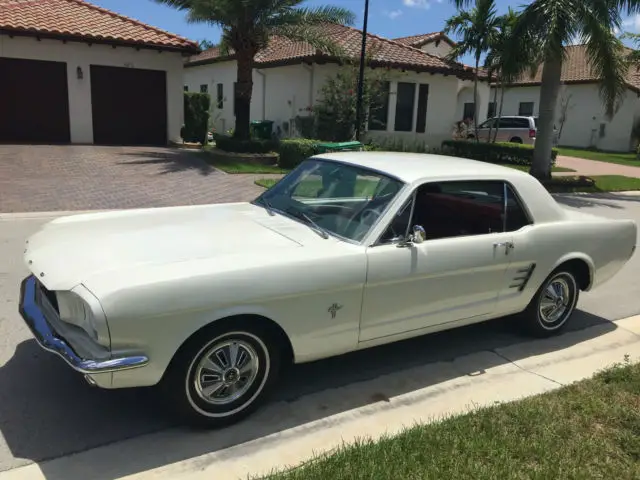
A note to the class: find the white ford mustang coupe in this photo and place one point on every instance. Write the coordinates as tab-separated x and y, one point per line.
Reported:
348	251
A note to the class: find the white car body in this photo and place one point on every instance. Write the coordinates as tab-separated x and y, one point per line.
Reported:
153	277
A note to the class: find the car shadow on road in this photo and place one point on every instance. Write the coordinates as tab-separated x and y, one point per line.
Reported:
607	200
48	411
174	160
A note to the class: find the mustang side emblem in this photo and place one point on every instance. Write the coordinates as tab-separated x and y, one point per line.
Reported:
333	309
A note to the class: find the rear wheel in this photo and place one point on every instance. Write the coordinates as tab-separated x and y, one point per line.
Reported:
222	375
516	140
553	304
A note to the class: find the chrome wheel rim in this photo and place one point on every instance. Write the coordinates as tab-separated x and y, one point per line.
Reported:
556	302
226	372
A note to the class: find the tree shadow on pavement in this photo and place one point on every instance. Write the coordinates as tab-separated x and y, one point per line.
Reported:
48	411
591	200
173	160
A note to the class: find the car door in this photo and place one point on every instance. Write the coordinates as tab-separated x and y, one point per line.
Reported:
483	129
457	273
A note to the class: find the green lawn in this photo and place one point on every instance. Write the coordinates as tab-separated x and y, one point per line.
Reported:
590	429
610	157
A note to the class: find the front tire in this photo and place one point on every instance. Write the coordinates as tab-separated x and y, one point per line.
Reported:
222	375
553	304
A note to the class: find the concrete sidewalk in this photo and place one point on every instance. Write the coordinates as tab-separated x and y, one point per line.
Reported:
455	387
594	167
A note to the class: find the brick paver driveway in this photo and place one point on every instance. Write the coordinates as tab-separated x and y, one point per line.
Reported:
51	178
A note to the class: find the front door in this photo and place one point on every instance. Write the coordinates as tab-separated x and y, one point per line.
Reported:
456	274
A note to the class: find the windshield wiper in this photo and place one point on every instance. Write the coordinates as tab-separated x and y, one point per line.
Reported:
314	226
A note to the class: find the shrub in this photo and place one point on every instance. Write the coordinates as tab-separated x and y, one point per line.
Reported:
399	145
514	153
254	145
196	117
294	150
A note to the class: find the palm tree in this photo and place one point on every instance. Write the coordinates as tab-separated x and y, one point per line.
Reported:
247	26
548	26
478	28
505	62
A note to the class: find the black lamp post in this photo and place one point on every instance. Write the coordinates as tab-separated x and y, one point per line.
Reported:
361	76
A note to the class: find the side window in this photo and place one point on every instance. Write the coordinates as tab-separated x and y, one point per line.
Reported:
399	226
522	122
488	124
517	217
506	123
454	209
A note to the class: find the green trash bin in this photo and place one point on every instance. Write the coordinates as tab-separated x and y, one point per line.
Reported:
339	147
262	129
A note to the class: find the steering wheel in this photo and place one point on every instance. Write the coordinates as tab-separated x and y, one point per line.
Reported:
365	217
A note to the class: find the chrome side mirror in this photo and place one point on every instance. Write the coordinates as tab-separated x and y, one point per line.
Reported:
419	234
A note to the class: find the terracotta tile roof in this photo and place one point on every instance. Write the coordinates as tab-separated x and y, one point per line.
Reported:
576	69
77	19
384	52
424	38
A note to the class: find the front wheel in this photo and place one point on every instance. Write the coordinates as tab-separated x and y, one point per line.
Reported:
553	304
222	375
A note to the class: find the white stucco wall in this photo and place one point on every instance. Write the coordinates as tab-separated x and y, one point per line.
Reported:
82	55
290	90
440	50
585	114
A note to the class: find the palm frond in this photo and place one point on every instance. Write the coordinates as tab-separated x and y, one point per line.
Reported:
606	56
307	17
312	35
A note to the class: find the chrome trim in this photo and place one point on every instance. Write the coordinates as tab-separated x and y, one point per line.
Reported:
49	339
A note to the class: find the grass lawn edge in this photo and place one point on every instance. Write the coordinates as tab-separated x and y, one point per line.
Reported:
590	427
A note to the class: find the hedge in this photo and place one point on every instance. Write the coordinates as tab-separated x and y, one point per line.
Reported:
254	145
294	150
514	153
196	117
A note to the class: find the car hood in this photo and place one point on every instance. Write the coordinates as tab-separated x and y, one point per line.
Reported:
69	250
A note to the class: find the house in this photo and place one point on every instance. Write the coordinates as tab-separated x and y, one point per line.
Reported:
435	43
71	72
427	93
580	116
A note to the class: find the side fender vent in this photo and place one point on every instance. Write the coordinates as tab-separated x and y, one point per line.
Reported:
523	275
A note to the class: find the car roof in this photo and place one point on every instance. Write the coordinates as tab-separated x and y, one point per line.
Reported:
412	167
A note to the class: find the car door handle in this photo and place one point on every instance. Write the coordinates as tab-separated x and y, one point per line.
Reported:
507	245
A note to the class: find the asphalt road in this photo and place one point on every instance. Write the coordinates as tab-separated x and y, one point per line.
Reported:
48	411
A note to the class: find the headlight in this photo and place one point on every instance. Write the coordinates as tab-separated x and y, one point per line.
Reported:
80	308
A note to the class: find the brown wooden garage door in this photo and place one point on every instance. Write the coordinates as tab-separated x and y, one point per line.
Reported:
129	106
34	101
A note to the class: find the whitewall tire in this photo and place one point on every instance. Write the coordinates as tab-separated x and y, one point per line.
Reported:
222	375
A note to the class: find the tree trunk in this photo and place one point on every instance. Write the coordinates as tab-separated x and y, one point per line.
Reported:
495	134
495	104
549	90
242	97
475	99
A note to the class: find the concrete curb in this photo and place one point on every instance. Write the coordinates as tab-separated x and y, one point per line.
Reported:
463	384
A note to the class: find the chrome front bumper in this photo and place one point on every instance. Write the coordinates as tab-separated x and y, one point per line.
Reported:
31	298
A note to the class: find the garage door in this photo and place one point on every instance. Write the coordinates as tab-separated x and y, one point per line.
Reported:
129	106
34	101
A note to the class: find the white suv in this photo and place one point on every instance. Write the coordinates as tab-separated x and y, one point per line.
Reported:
514	129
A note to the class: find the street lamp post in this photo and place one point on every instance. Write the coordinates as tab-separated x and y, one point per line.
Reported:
361	75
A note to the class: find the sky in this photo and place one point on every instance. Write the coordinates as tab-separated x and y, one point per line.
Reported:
388	18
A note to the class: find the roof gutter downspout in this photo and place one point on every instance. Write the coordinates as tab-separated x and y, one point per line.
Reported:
311	70
264	93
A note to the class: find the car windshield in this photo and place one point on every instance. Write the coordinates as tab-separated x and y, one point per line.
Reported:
333	198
